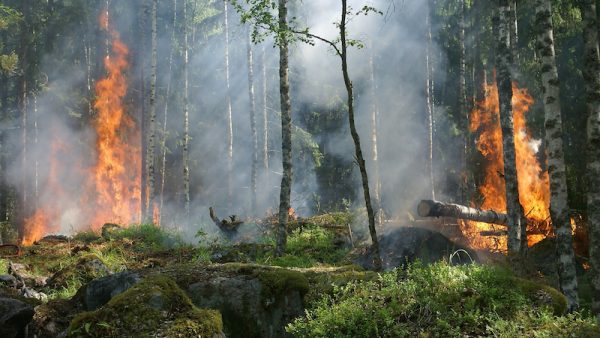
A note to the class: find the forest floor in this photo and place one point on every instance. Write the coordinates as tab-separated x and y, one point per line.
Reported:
146	281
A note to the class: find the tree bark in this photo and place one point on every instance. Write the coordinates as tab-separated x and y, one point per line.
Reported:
229	117
163	140
374	145
377	264
559	209
462	101
286	129
265	117
151	146
431	208
23	88
517	237
186	119
252	100
141	103
591	75
429	100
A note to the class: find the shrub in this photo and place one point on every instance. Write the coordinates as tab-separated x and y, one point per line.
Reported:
438	300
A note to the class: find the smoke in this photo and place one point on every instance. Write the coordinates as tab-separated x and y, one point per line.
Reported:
395	41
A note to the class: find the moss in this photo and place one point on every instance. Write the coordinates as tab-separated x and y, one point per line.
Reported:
278	281
324	281
87	268
542	295
154	304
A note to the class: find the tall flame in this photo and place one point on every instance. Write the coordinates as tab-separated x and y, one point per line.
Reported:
117	173
112	189
534	188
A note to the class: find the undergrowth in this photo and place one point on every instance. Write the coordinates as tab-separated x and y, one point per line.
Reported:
440	300
149	237
307	247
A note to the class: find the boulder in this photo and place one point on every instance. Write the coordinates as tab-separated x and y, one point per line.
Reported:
403	245
254	300
99	291
154	307
21	273
86	269
8	281
14	317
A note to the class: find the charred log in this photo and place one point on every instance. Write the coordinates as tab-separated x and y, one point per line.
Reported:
430	208
227	225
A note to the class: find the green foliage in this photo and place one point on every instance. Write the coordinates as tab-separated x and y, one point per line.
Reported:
443	301
87	236
3	266
309	246
149	237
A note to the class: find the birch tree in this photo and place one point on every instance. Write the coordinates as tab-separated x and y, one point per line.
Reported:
591	75
252	100
186	118
559	209
228	113
151	146
517	238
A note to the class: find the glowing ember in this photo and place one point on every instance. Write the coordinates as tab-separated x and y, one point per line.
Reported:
534	191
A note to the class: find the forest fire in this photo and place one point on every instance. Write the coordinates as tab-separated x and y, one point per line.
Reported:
111	192
116	175
534	191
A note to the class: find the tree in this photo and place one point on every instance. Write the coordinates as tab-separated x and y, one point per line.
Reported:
151	138
252	100
228	114
591	75
517	238
429	99
186	117
559	209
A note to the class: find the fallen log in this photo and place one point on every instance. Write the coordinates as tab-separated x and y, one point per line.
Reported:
430	208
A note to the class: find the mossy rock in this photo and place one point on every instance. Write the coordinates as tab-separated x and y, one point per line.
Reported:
323	281
543	295
86	269
154	307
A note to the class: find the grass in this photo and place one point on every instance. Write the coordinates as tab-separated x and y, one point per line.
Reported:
440	300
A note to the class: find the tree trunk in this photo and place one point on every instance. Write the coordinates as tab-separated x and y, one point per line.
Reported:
229	117
265	117
186	121
591	74
377	264
514	31
22	103
462	100
151	146
252	100
141	103
374	145
517	241
559	209
165	118
429	100
286	131
430	208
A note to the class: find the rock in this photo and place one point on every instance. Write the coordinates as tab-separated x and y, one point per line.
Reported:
31	293
20	272
402	245
53	239
109	229
14	317
99	291
254	300
156	307
8	280
86	269
52	319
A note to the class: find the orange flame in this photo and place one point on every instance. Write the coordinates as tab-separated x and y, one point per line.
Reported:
116	176
534	188
112	191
